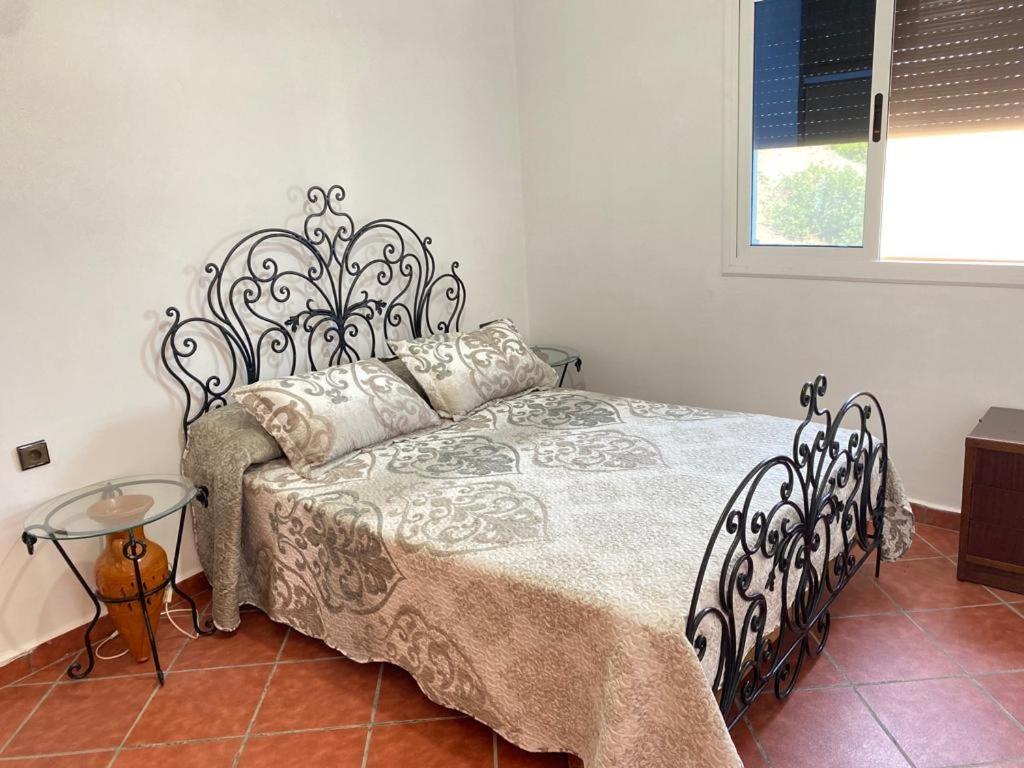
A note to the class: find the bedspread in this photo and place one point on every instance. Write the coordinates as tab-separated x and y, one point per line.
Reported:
531	565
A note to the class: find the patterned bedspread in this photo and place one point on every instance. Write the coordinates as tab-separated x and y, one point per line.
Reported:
532	565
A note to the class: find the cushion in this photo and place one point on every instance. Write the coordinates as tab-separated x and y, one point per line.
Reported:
320	416
462	371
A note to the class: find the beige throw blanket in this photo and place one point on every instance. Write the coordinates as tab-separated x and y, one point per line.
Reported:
532	565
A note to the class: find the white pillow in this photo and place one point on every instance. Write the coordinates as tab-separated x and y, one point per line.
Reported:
320	416
462	371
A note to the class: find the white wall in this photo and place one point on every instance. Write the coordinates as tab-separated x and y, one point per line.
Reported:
136	138
621	112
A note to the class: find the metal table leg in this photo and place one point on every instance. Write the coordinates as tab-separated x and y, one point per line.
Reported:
565	369
207	628
75	671
134	550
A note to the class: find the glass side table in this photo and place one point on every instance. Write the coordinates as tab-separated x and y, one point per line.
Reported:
114	507
559	357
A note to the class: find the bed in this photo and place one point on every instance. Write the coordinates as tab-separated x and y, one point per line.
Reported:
586	573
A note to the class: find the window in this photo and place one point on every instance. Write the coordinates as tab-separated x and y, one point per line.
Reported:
880	139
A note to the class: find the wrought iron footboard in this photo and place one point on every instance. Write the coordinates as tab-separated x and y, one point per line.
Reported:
794	532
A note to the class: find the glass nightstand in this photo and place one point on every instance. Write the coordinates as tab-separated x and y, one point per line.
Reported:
110	508
559	357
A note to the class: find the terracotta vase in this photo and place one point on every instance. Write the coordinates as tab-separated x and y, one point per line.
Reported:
115	577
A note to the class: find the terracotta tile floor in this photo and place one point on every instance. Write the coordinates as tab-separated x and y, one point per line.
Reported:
920	670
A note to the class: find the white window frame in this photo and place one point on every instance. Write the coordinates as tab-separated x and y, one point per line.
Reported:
739	257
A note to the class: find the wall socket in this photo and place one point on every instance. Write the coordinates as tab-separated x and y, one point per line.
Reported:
33	455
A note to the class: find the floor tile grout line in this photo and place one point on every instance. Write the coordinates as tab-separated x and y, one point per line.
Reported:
874	715
126	748
128	676
178	743
991	590
757	741
932	546
932	679
996	602
373	716
218	739
21	759
30	715
354	726
19	682
762	750
998	672
935	643
263	696
903	609
849	684
900	609
145	706
250	665
965	674
886	731
985	692
838	616
956	662
1013	607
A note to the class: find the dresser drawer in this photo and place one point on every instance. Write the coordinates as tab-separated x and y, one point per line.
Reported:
995	531
999	470
992	506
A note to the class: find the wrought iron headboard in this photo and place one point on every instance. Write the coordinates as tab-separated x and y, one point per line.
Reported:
343	292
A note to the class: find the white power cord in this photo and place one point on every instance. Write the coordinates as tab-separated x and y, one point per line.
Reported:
170	618
167	611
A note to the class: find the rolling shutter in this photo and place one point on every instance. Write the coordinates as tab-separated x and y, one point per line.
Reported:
812	71
958	66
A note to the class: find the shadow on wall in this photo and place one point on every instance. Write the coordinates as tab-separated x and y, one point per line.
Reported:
190	298
193	288
24	606
211	355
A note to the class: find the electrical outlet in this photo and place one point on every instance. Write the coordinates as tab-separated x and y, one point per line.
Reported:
33	455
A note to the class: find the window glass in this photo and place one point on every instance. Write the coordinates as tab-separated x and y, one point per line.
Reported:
811	113
955	145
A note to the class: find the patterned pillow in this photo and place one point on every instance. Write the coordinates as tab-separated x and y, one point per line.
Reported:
462	371
320	416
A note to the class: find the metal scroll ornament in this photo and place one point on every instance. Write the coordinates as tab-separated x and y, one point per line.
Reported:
794	532
284	301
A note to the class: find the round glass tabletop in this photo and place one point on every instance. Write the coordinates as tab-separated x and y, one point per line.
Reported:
556	356
110	506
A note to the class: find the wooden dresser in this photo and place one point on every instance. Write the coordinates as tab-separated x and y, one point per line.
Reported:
992	514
